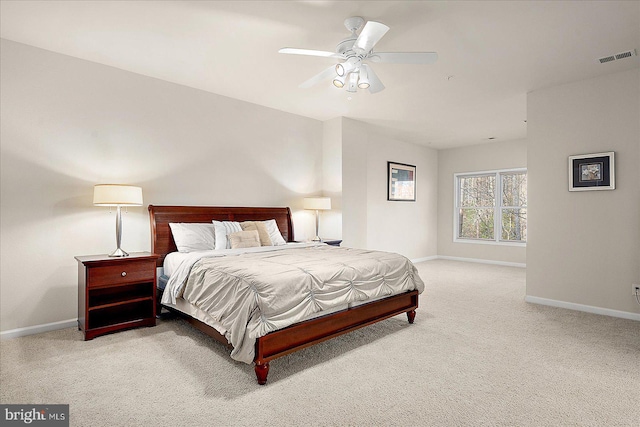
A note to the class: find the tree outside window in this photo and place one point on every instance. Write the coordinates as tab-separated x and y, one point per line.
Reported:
514	207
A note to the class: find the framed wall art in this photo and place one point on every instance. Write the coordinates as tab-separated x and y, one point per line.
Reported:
401	182
592	172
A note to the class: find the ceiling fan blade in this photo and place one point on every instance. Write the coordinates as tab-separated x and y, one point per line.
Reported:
309	52
375	85
404	57
370	35
329	72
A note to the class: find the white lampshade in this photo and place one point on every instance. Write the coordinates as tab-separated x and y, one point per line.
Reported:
115	194
317	203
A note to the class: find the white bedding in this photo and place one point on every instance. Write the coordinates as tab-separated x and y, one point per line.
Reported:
252	292
173	260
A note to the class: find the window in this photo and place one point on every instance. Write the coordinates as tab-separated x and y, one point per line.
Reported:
491	207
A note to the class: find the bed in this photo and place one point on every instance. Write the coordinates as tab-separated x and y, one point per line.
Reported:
296	336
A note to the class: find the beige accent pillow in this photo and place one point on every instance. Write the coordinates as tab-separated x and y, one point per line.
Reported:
244	239
261	228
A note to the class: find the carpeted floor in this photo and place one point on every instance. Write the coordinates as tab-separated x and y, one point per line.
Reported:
476	355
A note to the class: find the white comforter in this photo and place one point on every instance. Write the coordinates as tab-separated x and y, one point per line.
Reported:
252	293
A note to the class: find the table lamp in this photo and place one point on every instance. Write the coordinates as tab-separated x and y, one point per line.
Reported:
118	196
317	204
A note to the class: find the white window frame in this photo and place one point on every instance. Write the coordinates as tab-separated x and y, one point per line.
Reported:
497	214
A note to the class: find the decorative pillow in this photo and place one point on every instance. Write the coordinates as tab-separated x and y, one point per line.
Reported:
274	233
244	239
222	230
261	228
191	237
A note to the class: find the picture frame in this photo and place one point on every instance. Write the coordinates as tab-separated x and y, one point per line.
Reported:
589	172
401	182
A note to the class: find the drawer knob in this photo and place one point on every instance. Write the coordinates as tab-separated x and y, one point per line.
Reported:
124	273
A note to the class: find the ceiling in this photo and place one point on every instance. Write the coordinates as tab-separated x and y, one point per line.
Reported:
490	54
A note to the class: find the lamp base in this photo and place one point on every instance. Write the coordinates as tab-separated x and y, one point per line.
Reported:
316	239
118	253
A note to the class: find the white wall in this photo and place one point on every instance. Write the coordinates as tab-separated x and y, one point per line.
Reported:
492	156
331	221
354	184
68	124
584	247
370	220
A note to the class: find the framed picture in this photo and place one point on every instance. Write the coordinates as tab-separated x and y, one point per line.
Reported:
401	182
592	172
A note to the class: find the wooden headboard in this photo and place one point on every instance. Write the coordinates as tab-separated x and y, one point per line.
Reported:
160	216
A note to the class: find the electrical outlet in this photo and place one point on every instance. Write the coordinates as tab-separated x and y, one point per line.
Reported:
635	289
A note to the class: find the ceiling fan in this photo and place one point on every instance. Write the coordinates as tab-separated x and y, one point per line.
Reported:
353	73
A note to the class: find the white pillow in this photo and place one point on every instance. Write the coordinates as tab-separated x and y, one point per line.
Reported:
274	233
222	230
191	237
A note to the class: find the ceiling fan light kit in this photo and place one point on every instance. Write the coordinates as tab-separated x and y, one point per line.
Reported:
353	73
363	81
349	66
353	82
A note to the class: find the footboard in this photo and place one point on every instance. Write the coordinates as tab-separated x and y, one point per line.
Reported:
310	332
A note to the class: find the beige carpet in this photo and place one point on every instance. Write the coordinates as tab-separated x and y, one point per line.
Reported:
477	355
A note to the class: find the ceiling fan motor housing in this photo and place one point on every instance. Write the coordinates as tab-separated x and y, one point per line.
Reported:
346	45
353	24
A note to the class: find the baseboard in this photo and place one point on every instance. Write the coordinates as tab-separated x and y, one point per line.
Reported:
31	330
428	258
483	261
581	307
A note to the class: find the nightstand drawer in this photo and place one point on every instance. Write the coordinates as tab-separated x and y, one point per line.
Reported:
114	275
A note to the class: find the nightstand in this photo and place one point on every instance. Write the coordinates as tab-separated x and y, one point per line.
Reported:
116	293
332	242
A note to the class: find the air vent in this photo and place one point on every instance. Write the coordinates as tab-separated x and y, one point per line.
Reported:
618	56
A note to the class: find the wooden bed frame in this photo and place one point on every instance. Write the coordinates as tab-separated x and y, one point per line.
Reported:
297	336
